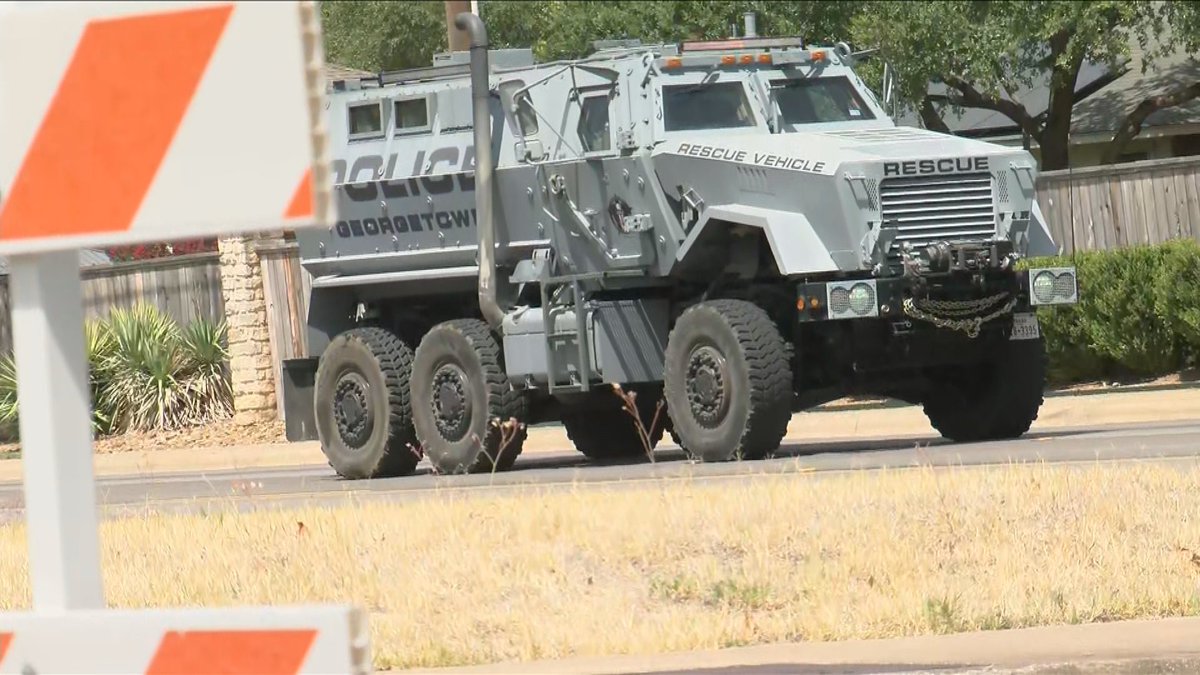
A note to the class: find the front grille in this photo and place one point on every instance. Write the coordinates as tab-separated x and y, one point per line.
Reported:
929	209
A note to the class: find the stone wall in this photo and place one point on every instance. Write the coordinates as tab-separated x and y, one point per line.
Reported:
249	340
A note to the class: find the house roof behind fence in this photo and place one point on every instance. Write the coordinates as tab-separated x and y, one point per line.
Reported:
87	258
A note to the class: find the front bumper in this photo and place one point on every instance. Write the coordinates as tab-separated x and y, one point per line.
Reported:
870	298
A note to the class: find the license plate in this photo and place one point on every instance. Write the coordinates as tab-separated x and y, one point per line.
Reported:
1025	327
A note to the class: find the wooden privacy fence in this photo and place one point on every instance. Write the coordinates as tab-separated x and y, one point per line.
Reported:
185	287
1122	205
286	285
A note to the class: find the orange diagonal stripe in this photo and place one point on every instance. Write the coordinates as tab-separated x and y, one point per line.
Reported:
110	123
5	640
251	652
301	205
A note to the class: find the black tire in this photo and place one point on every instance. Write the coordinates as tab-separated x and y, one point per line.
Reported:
728	381
603	429
361	405
458	388
997	400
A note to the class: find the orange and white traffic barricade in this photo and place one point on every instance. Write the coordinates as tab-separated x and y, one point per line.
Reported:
133	122
250	641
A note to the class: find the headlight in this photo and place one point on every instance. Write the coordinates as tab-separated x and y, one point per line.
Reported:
839	301
1043	287
1053	286
852	299
862	299
1064	285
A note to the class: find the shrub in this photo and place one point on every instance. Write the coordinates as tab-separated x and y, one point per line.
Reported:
1123	323
145	373
1138	314
1177	293
161	377
98	347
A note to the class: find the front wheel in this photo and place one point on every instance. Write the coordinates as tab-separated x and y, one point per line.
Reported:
468	417
996	400
728	381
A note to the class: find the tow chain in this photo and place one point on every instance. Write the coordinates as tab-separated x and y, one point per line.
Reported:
953	314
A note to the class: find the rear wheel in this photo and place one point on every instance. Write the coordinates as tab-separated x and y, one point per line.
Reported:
996	400
363	416
467	415
603	428
728	381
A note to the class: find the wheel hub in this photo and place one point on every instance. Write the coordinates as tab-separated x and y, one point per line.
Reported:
351	410
451	404
707	379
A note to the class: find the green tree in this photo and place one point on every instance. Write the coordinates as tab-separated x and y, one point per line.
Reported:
376	35
985	51
381	35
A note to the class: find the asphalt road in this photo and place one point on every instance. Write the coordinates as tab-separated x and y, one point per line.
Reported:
1178	443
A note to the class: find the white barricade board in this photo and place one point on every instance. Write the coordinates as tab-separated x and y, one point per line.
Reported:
126	122
133	122
250	640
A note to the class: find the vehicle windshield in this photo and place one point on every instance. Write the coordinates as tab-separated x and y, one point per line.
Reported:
820	99
720	105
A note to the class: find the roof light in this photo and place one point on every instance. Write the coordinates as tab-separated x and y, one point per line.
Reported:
818	55
747	59
743	43
674	62
728	60
764	59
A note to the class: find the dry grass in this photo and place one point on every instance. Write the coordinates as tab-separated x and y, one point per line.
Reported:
678	566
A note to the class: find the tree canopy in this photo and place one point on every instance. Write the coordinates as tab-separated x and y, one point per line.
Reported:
984	52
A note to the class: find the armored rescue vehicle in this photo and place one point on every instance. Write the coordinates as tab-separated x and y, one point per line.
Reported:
736	228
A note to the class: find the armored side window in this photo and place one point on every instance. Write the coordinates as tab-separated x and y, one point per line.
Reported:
412	114
593	124
822	99
714	105
366	119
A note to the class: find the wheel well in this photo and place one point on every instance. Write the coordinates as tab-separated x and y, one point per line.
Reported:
739	251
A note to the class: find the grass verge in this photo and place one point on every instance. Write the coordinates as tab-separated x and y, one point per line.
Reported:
457	580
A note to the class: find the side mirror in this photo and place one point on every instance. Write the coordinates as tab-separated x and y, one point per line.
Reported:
889	84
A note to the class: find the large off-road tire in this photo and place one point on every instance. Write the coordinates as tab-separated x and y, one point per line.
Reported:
993	401
468	417
603	429
728	381
361	405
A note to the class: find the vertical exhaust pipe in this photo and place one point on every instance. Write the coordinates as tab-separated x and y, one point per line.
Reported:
751	25
484	191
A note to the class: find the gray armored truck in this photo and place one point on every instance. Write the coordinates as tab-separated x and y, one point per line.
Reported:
724	233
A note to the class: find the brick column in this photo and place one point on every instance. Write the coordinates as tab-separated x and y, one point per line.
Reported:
249	341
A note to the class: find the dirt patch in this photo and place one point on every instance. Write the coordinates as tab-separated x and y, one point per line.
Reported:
224	433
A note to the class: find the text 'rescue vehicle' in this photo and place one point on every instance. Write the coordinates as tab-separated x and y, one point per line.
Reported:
736	227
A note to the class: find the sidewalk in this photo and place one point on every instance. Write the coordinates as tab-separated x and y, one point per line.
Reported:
855	422
1147	641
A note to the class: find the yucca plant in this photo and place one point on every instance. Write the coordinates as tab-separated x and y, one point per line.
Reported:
161	377
98	345
8	398
208	384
